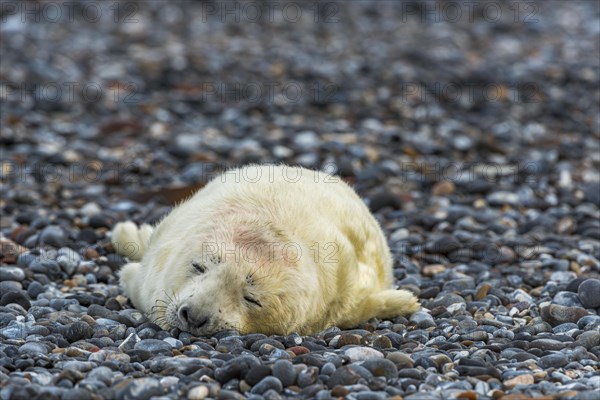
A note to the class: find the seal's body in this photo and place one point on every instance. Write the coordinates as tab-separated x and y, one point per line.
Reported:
271	249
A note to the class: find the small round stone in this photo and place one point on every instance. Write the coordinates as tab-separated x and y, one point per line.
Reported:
568	299
362	353
588	339
556	314
343	376
267	383
308	376
33	348
78	330
401	360
284	371
589	293
141	388
15	298
256	374
381	367
555	360
152	345
198	393
53	235
8	273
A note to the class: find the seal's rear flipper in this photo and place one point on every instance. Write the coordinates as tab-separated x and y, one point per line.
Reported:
131	241
389	304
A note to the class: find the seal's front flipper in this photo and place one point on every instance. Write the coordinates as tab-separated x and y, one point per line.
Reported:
130	278
131	241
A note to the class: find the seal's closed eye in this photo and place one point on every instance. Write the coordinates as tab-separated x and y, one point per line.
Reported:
252	300
200	268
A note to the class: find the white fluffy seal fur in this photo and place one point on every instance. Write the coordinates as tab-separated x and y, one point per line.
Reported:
271	249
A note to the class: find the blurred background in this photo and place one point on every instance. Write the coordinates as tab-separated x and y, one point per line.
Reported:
121	109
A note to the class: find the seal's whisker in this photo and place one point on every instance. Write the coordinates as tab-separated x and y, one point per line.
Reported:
168	297
255	270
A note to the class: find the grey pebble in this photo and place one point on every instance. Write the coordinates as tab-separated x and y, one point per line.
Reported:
589	322
458	285
589	339
34	348
8	273
328	369
78	330
555	360
307	376
563	276
343	376
10	286
422	319
568	299
284	370
102	373
82	366
362	353
141	388
501	198
371	396
15	298
566	327
53	235
153	345
68	260
445	300
76	394
267	383
589	293
34	289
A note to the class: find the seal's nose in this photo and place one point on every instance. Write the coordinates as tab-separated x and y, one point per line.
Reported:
193	321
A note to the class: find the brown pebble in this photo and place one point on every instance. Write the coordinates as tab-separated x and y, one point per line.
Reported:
91	254
382	342
536	292
519	396
443	188
10	251
348	339
402	360
496	394
482	291
73	352
505	255
113	304
433	269
88	320
297	350
526	379
566	225
556	314
468	395
339	391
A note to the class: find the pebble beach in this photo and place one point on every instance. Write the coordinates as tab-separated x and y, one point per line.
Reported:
470	128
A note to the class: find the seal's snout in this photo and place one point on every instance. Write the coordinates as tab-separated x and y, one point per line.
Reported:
190	319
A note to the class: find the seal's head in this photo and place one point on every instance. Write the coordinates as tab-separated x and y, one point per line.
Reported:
248	279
